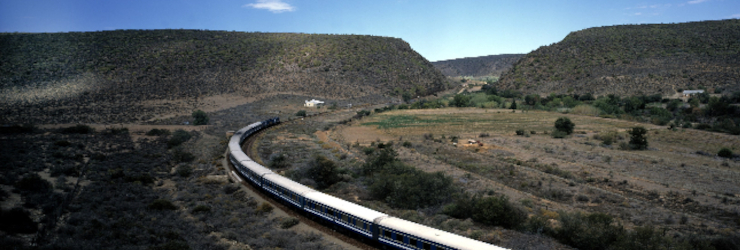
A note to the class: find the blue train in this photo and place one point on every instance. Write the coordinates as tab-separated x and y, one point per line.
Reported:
373	225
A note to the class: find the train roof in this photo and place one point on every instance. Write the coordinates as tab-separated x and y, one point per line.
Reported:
256	167
345	206
289	184
240	156
435	235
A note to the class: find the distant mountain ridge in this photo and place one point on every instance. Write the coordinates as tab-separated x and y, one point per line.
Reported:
492	65
634	59
115	71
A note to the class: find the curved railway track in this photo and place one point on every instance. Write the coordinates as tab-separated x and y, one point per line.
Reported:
303	217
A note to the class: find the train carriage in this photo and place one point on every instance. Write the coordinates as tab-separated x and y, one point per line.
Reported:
253	171
346	214
404	234
286	189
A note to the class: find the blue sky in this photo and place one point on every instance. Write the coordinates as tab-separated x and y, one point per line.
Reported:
438	30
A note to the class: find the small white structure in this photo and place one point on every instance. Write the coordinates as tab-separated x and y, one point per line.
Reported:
692	92
313	103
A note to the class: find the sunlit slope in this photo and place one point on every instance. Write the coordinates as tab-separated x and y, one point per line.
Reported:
634	59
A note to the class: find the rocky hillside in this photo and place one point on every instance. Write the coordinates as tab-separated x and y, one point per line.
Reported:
492	65
111	76
633	59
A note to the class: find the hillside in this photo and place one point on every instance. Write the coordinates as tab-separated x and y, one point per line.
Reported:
492	65
119	76
633	59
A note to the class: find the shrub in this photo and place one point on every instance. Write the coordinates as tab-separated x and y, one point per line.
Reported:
725	152
158	132
289	222
279	161
161	204
201	209
564	124
638	140
407	144
496	211
34	184
264	208
520	132
180	136
184	170
78	129
323	171
200	117
592	231
17	221
178	155
301	113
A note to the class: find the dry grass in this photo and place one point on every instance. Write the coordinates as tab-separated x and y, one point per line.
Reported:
678	176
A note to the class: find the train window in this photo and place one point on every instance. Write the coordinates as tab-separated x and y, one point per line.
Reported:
387	234
426	246
399	238
412	241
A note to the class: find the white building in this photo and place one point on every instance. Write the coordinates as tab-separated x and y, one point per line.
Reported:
313	103
692	92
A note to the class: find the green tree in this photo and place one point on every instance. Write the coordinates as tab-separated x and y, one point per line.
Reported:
200	117
563	124
725	152
460	100
513	104
638	138
323	171
301	113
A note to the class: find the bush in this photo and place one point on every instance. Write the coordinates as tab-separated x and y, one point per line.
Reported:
78	129
264	208
638	140
180	136
200	117
32	183
279	161
184	170
158	132
178	155
725	152
289	222
162	204
592	231
301	113
17	221
201	209
406	144
323	171
564	124
495	211
520	132
403	186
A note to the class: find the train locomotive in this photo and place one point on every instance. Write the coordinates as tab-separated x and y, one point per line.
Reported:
373	225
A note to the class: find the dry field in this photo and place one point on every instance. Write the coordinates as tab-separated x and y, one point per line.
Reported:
678	183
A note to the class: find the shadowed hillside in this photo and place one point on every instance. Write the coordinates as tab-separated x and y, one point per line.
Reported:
492	65
111	76
634	59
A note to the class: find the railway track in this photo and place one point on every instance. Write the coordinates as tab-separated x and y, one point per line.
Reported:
347	237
